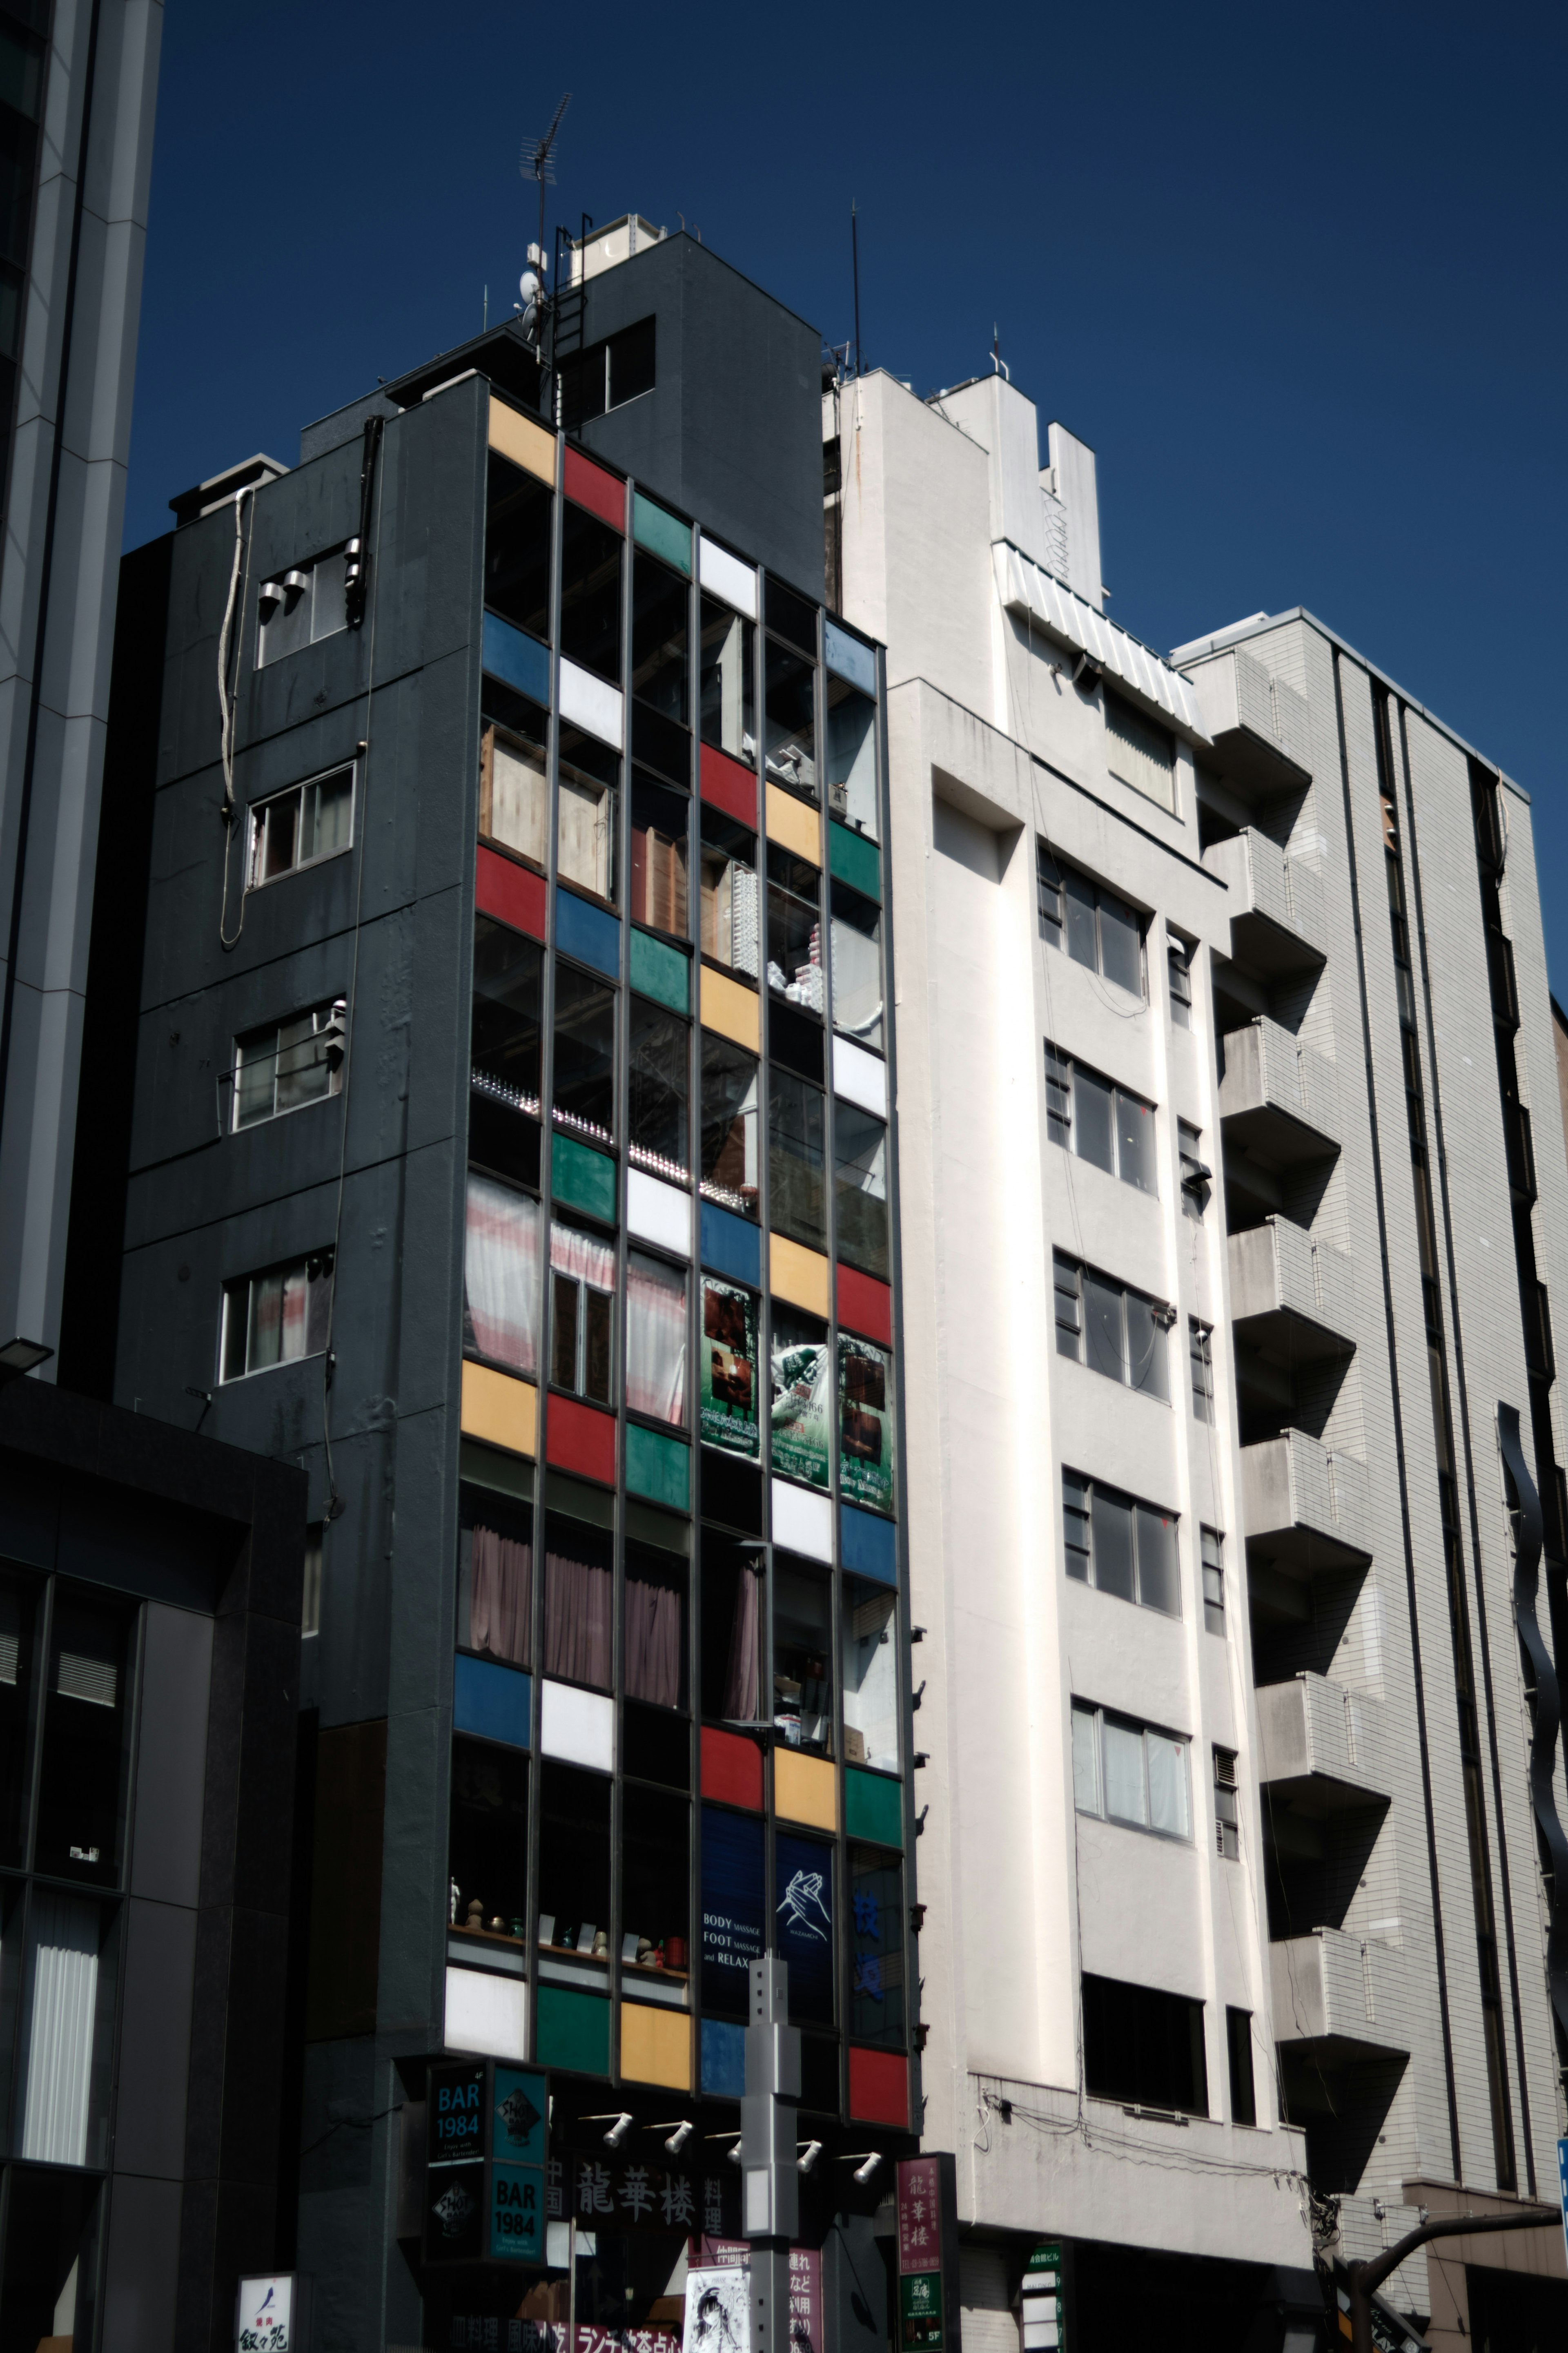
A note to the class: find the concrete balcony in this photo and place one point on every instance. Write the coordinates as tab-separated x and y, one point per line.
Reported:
1305	1508
1291	1297
1321	1747
1342	1996
1260	728
1277	924
1278	1099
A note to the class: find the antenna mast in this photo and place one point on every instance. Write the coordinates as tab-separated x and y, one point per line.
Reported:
855	254
538	162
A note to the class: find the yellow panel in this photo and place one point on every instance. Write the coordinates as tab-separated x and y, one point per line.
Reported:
732	1010
795	824
805	1790
799	1275
501	1411
525	443
656	2046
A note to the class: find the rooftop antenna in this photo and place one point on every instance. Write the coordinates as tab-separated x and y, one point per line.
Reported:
997	362
855	256
538	162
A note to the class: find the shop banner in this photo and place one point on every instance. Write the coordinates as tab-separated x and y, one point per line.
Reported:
804	1875
609	2193
729	1409
733	1928
805	2334
866	1445
802	1406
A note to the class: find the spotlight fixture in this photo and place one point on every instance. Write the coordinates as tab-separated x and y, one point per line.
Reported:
618	2130
678	2137
863	2173
813	2152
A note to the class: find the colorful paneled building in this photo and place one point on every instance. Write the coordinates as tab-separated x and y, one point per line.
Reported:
511	1149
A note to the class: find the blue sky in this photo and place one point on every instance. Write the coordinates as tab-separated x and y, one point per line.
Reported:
1297	277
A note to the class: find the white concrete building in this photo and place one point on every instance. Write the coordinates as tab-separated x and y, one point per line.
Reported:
1229	1861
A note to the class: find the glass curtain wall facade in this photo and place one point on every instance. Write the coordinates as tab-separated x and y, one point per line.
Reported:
679	1692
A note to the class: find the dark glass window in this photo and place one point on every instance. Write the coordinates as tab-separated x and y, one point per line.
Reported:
504	1103
495	1575
488	1854
795	928
658	1092
790	709
1143	2047
591	592
860	1188
731	1629
803	1658
1238	2039
1101	1123
730	915
856	965
588	814
579	1581
516	545
584	1055
574	1857
18	1606
629	363
727	681
876	1948
581	1322
18	157
797	1205
656	1590
655	1887
1094	926
660	857
1121	1546
81	1786
790	616
729	1171
661	633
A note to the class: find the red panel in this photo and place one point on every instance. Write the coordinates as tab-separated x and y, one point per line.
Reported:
880	2088
866	1305
580	1440
732	1769
603	494
729	785
512	894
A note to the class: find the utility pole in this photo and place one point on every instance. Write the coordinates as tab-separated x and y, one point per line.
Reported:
770	2180
1365	2277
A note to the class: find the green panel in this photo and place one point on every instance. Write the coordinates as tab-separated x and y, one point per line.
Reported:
874	1808
855	860
574	2031
583	1180
661	972
658	1468
486	1468
660	534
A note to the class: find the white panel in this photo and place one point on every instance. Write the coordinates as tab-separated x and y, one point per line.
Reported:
802	1522
859	1077
727	576
588	703
57	2034
578	1726
485	2013
657	1213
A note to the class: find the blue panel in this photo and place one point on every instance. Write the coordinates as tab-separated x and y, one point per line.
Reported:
848	657
521	660
588	934
723	2060
803	1924
493	1703
867	1544
734	1932
730	1246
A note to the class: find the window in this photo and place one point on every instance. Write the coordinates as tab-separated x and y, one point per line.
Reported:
789	706
730	916
307	602
585	1100
1100	1122
487	1854
795	928
870	1646
310	1585
500	1274
1194	1175
656	1339
731	1629
876	1924
82	1769
658	1578
1199	1340
574	1864
591	592
1128	1773
661	633
852	756
295	828
514	791
607	375
585	817
726	682
1139	752
860	1188
803	1659
729	1172
1111	1329
289	1064
658	1092
276	1317
857	929
654	1849
583	1313
504	1107
1179	963
1239	2046
1120	1545
579	1585
1094	926
516	545
797	1205
495	1577
1211	1544
1143	2047
660	857
1226	1806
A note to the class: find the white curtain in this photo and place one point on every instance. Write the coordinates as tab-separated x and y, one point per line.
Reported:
57	2034
500	1271
583	1256
656	1339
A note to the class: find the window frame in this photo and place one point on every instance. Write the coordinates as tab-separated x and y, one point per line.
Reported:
1099	1716
1179	953
1083	1354
330	1008
255	820
1053	886
1196	1175
1063	1124
1227	1804
1082	1510
1211	1566
241	1286
1199	1367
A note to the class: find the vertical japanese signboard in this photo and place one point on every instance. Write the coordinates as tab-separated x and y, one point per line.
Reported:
928	2255
1044	2317
484	2198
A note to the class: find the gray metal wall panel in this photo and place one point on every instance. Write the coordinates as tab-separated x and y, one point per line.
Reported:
166	1833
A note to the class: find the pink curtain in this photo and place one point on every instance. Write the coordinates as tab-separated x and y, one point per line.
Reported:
502	1594
656	1339
742	1687
577	1620
653	1643
500	1271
